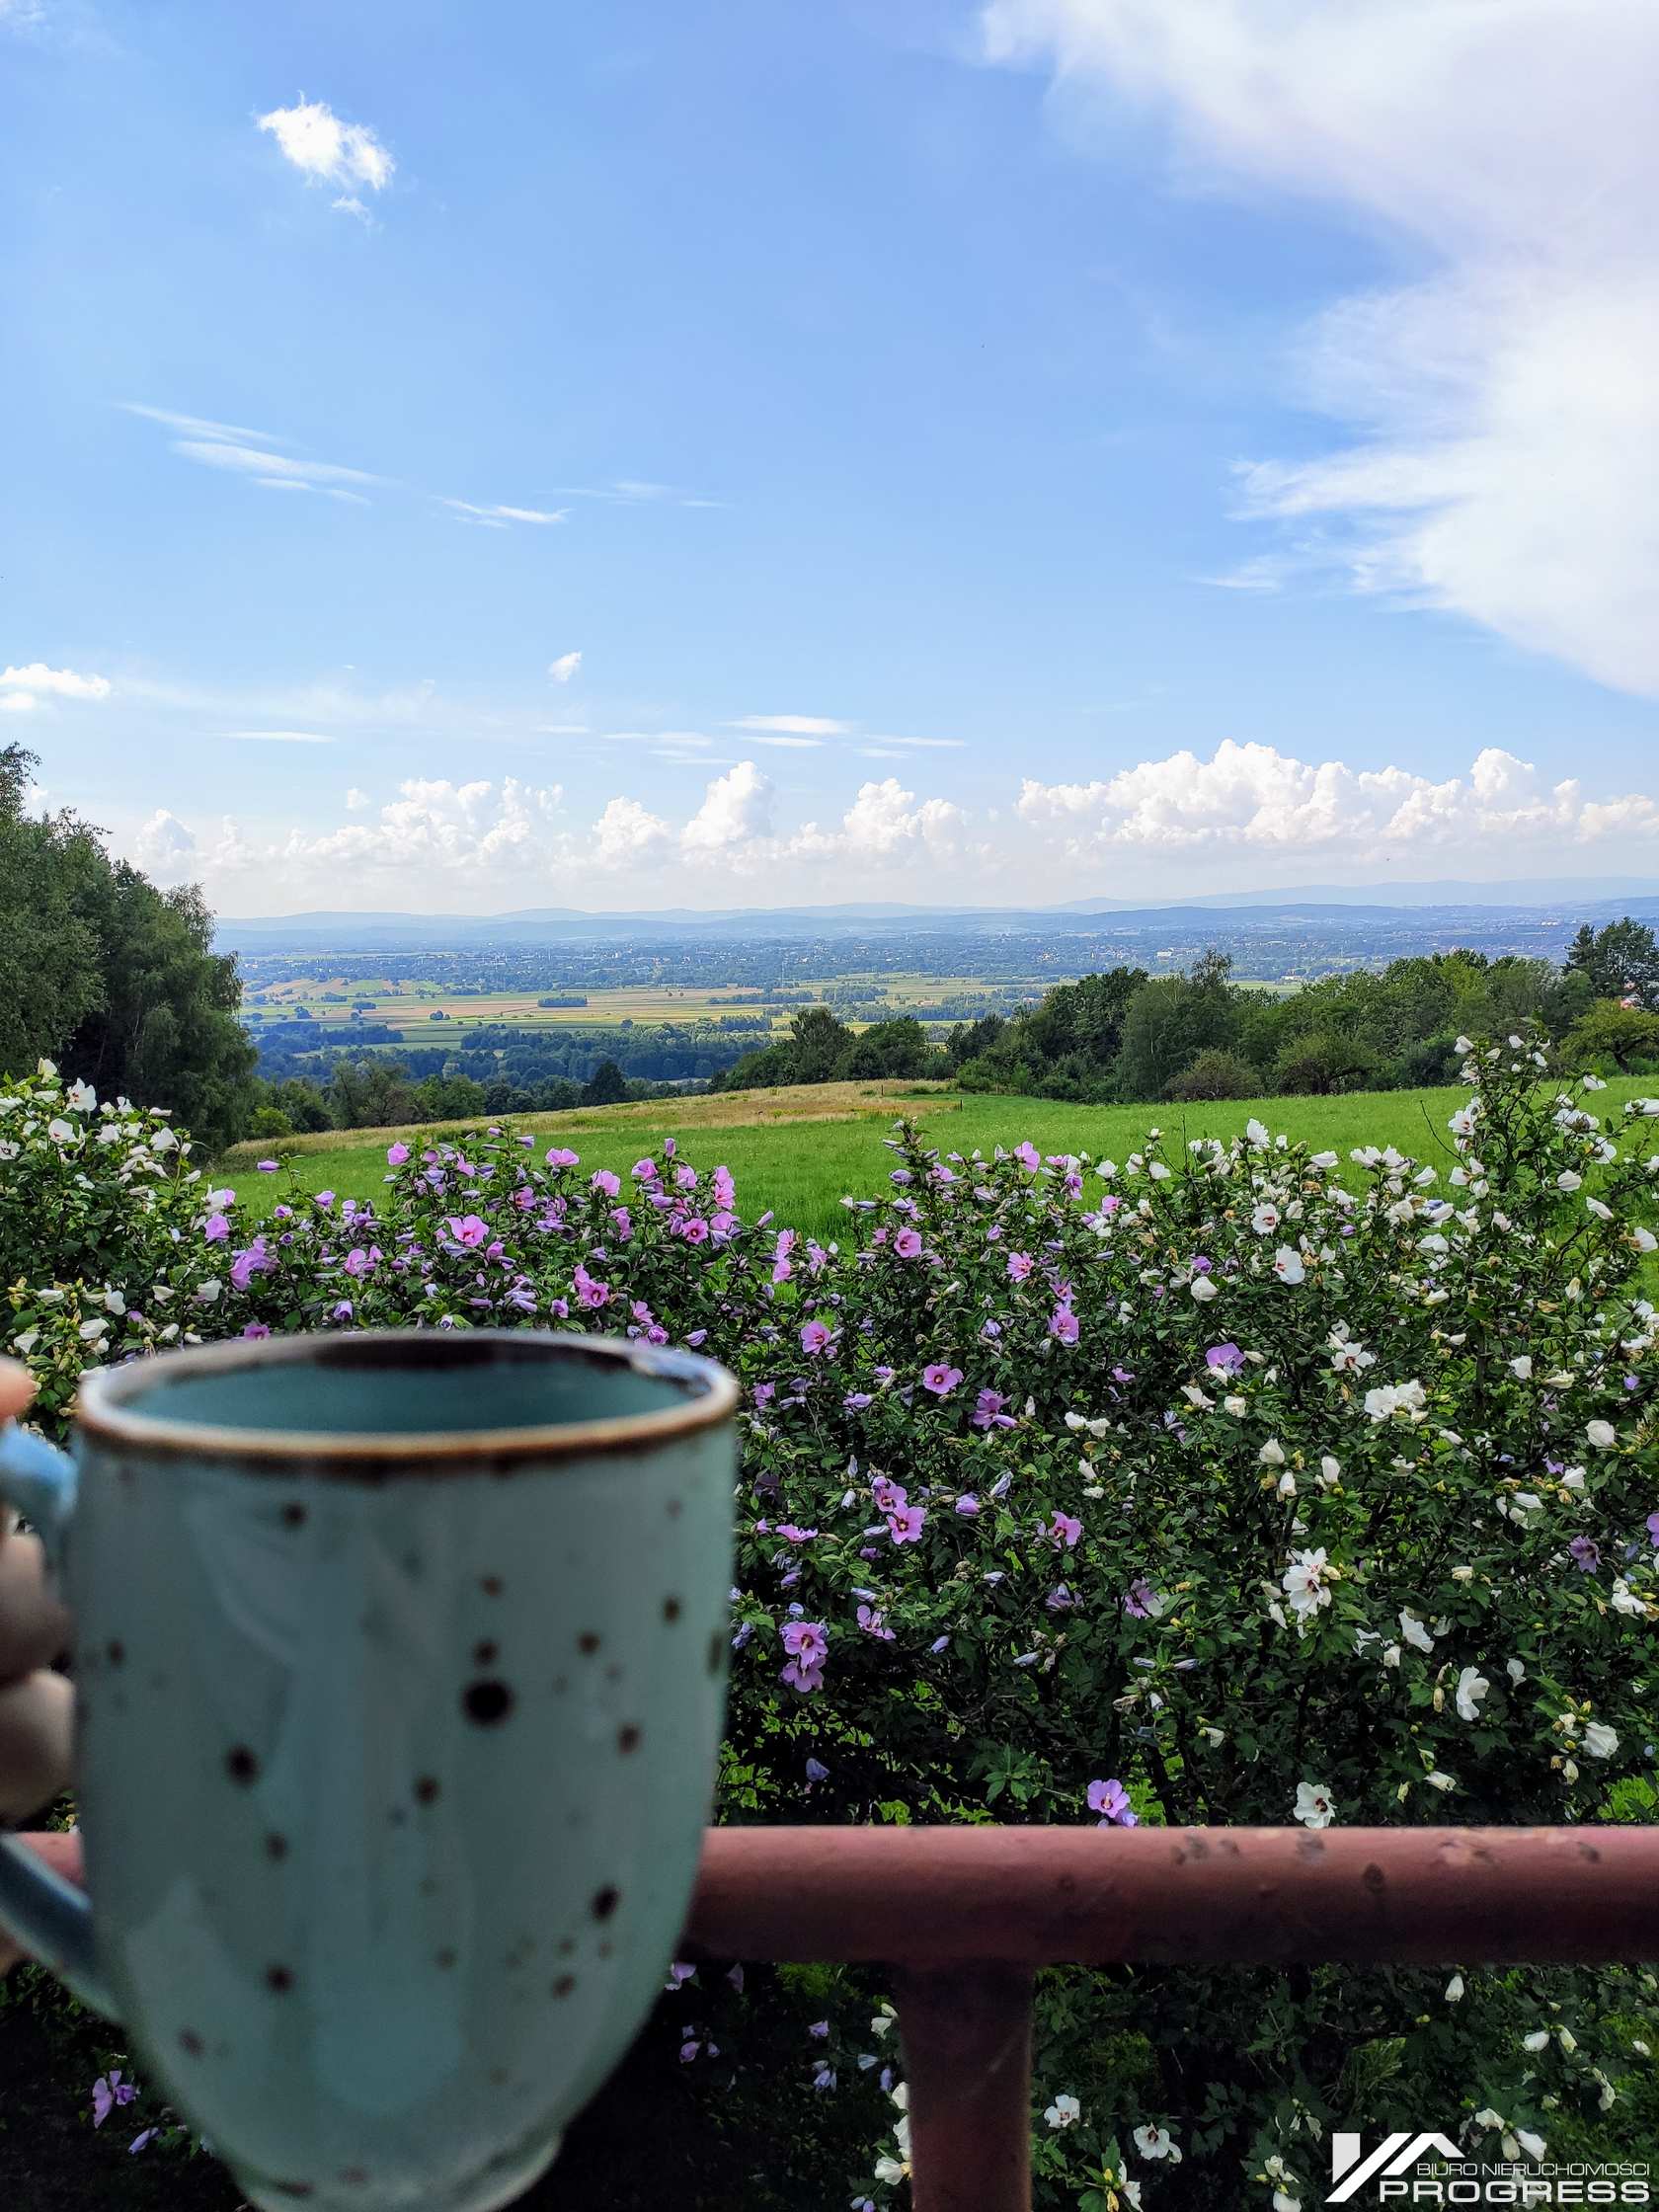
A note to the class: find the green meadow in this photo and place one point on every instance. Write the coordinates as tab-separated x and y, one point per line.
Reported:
797	1151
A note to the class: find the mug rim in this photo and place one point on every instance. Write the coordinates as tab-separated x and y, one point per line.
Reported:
102	1408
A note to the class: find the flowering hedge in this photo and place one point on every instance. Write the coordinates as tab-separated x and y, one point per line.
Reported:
1232	1484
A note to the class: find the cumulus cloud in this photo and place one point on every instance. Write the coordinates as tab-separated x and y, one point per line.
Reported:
564	668
327	151
35	680
164	847
1254	797
886	822
442	826
1502	428
357	800
737	810
628	835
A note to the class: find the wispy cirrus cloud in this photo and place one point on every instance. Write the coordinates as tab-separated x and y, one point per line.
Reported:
811	730
260	458
1497	420
503	517
256	456
793	725
633	492
279	470
198	426
278	737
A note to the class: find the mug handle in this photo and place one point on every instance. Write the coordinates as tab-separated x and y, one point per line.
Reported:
49	1915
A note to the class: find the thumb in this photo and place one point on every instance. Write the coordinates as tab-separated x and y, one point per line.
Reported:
17	1387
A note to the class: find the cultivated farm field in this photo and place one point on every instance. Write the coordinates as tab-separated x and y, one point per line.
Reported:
798	1151
409	1007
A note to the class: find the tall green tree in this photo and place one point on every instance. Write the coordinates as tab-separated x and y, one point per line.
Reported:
167	1032
606	1086
1622	960
49	979
111	976
1173	1019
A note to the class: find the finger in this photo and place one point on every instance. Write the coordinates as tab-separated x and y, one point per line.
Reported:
34	1716
33	1626
17	1387
61	1851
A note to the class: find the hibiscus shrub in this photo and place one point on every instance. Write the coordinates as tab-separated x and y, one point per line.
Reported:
1233	1484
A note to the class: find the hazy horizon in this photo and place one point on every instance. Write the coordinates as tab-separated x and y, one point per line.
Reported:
1587	893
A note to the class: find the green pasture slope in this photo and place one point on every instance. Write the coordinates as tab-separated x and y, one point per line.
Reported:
797	1151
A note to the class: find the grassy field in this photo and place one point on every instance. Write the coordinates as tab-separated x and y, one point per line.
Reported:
797	1151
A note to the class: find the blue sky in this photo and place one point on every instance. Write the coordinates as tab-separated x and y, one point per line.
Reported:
1009	452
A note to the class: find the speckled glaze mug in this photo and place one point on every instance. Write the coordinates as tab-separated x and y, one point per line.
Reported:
401	1663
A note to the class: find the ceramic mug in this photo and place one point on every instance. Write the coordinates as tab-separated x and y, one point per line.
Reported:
400	1663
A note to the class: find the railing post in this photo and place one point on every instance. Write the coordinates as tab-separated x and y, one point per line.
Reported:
967	2039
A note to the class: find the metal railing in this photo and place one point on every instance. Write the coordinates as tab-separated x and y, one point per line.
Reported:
964	1916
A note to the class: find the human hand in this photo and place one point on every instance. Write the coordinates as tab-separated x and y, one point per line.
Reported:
35	1702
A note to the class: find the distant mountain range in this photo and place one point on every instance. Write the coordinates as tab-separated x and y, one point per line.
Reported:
1435	906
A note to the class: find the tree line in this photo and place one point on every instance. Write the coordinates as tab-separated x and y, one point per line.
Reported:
1129	1036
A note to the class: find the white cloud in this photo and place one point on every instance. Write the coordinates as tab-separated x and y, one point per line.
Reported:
278	469
60	684
1253	797
628	835
164	847
632	491
886	822
737	810
325	150
1242	816
681	739
278	737
246	453
793	725
18	702
450	828
564	668
922	744
1503	425
198	426
503	517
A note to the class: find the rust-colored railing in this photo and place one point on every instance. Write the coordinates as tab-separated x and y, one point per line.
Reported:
962	1916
